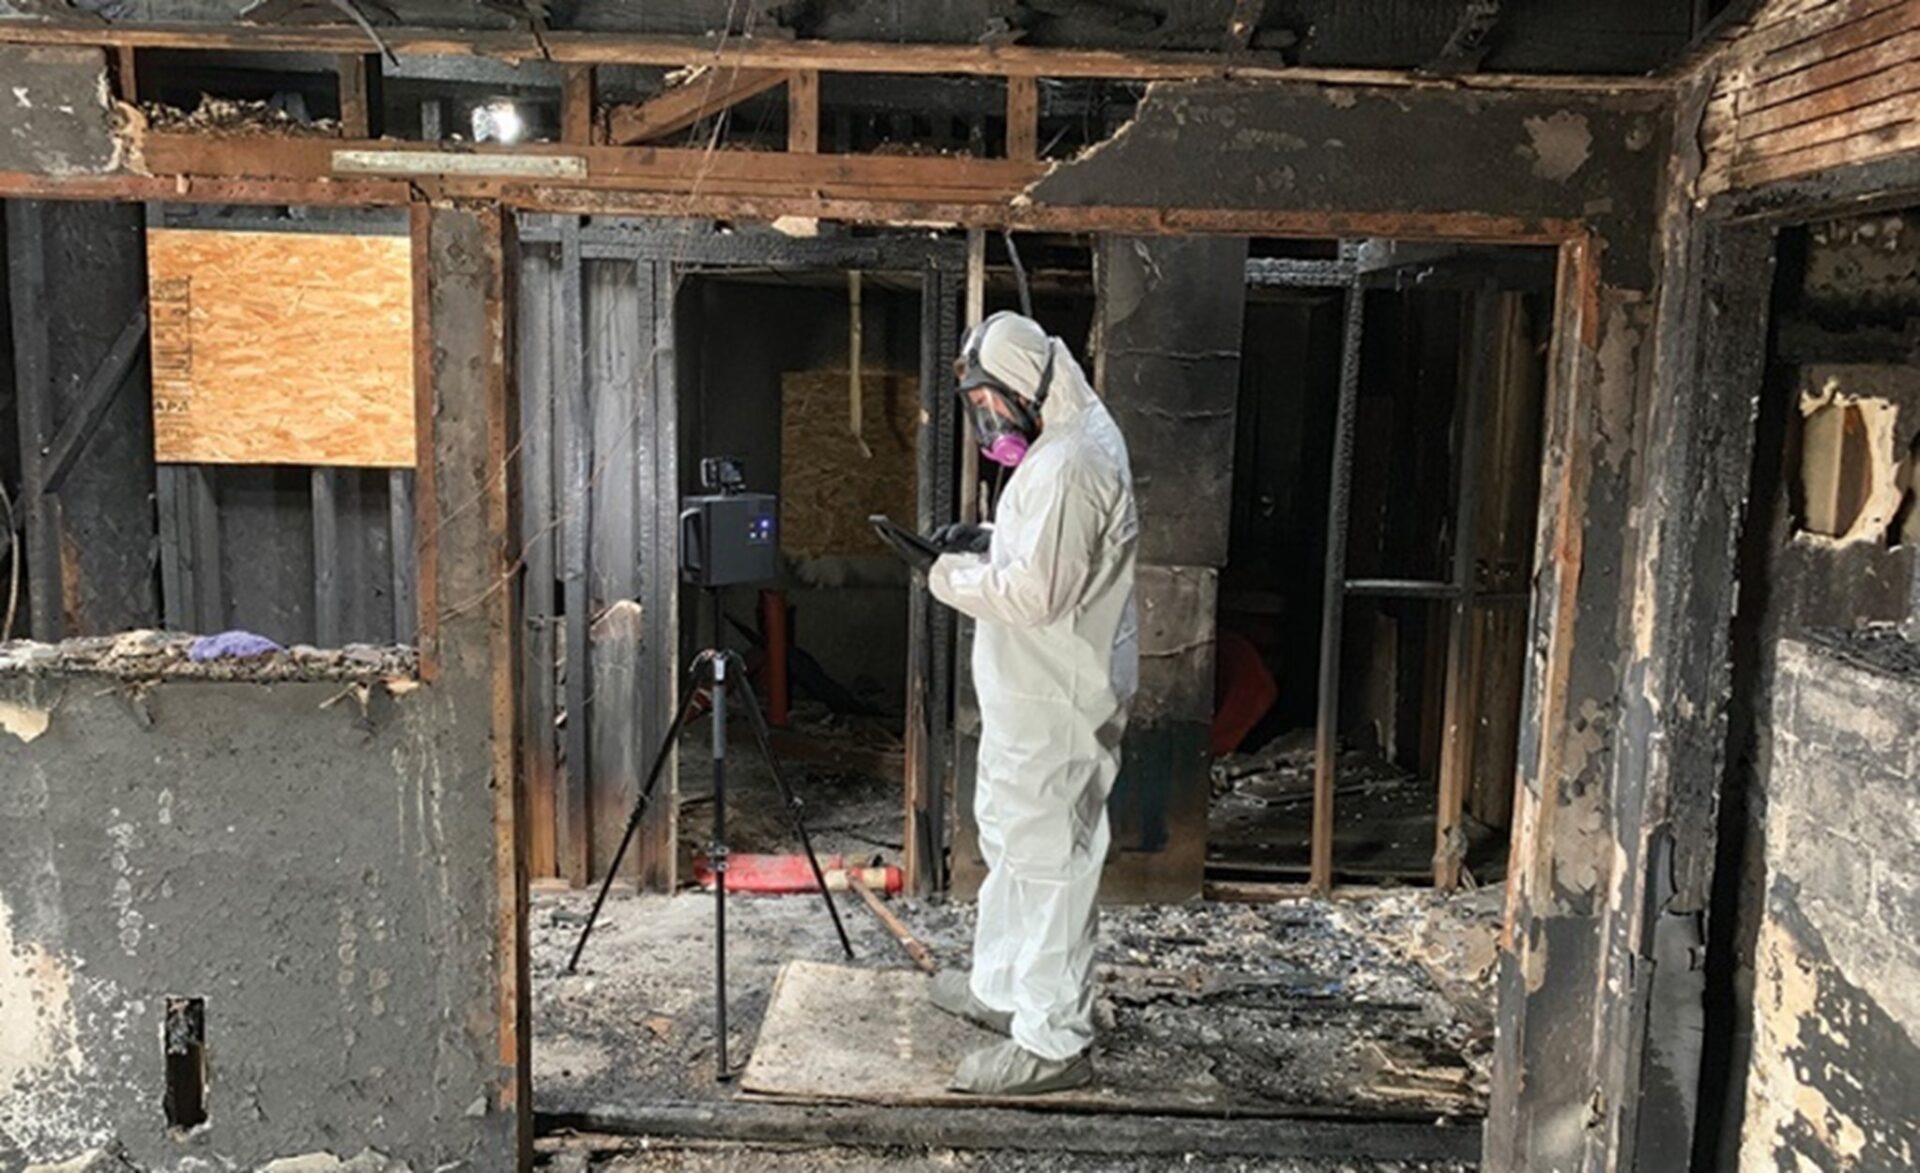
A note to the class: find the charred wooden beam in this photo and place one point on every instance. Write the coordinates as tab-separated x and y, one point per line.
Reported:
466	171
597	48
329	608
576	107
33	386
362	95
711	92
1023	119
803	113
102	387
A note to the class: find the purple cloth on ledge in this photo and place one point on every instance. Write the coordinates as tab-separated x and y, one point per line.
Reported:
231	645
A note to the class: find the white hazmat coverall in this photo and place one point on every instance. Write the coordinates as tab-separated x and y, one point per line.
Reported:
1055	664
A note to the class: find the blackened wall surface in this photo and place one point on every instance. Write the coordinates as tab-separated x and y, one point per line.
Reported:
318	870
1837	994
1526	157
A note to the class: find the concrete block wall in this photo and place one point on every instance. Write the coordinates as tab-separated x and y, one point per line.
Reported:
1837	995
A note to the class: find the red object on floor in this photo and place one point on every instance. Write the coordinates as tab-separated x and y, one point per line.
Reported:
787	874
773	627
1243	692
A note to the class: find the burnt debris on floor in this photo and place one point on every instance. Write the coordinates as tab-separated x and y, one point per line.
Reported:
617	1155
1367	1006
1261	821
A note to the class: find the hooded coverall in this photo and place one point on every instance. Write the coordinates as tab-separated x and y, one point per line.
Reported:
1055	664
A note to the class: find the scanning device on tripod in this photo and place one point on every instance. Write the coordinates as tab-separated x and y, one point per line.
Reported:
727	537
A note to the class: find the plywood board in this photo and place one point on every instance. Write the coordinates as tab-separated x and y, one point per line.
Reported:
829	485
835	1033
282	348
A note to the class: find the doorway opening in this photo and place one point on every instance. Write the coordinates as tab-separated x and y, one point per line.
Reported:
811	378
1419	710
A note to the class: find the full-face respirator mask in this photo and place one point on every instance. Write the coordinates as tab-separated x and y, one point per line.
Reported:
1008	422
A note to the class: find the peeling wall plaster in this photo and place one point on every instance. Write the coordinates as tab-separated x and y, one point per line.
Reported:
1559	144
25	722
41	1061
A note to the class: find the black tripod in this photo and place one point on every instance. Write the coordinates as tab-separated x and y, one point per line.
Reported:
716	663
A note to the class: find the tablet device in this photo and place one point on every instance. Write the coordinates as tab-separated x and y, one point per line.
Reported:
897	537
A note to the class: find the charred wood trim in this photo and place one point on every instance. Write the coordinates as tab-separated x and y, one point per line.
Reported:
1321	1134
426	516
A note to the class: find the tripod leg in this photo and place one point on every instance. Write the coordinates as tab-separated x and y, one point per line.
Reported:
640	806
758	721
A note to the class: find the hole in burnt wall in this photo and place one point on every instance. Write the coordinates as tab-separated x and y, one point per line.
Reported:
1853	470
1836	469
185	1042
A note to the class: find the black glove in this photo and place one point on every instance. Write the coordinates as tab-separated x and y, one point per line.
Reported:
963	537
915	557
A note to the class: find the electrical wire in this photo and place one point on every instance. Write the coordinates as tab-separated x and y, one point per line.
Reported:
1019	275
13	565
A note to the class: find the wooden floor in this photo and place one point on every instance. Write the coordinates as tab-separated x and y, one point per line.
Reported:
839	1034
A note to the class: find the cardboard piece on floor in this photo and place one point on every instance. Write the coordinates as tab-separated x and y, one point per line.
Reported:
837	1034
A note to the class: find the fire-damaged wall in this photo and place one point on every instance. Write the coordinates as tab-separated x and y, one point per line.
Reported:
245	920
312	866
1837	995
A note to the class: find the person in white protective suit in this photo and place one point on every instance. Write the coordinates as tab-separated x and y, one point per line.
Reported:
1055	664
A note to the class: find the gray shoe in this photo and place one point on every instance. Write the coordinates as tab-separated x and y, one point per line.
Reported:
951	992
1009	1069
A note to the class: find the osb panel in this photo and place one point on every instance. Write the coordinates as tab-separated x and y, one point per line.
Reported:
828	484
282	348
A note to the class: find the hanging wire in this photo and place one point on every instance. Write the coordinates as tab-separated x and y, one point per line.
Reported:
1019	275
13	565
